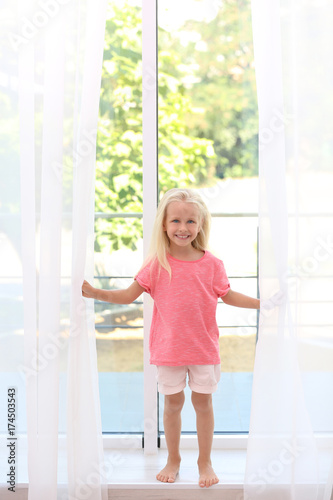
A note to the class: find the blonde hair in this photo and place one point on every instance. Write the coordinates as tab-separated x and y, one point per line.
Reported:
160	243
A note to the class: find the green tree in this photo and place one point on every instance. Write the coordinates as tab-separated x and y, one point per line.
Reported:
119	148
218	73
207	111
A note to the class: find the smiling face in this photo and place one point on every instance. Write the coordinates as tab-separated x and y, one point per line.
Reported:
182	223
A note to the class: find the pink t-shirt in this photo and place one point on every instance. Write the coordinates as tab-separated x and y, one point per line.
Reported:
184	329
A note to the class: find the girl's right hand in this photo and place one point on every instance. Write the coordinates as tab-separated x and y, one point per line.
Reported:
88	291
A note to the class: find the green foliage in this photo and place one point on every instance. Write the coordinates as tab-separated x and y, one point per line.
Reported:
207	111
119	141
219	77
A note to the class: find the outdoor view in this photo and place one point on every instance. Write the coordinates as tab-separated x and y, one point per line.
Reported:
207	119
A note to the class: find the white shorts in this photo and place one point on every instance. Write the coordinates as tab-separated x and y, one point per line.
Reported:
201	378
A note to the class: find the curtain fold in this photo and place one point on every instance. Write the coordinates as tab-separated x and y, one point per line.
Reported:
290	440
83	373
50	75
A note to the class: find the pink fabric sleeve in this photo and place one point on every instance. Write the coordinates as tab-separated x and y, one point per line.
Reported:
221	282
144	279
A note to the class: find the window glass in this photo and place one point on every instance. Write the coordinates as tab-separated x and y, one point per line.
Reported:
207	119
118	228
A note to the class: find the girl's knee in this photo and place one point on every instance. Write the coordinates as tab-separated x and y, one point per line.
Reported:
174	403
202	402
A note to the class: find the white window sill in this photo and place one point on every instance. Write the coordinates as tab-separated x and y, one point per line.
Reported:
140	469
133	475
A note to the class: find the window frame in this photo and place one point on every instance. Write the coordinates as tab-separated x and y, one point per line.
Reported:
150	439
150	198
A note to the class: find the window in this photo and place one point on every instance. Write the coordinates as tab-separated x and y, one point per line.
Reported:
206	126
118	245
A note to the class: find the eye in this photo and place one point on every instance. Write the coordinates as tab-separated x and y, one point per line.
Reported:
175	220
191	221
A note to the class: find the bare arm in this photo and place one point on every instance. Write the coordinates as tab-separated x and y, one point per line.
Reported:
125	296
240	300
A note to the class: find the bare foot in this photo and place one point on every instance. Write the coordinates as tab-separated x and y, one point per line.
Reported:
169	473
207	476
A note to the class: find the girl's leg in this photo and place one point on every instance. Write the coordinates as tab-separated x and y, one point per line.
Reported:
205	429
173	405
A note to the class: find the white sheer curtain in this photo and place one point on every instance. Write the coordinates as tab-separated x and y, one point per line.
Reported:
290	441
50	74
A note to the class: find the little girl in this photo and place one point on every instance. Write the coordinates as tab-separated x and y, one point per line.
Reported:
185	280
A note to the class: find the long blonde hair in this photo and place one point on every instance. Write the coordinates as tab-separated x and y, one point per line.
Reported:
160	243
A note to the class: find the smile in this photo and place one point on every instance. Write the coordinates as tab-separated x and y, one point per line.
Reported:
182	237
